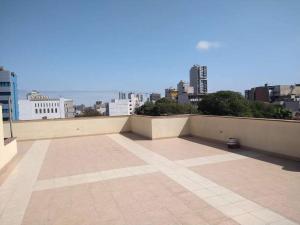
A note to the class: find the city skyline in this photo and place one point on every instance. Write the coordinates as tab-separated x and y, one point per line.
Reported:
140	46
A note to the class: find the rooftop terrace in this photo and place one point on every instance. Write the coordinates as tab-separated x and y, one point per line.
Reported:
127	179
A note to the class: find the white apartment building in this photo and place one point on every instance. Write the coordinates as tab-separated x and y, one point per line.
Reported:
119	107
38	106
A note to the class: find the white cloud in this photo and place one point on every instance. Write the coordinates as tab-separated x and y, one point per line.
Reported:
206	45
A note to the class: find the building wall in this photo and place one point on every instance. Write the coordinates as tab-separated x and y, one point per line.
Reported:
41	129
154	96
8	88
170	126
141	125
171	93
36	110
118	107
198	79
183	98
7	151
275	136
69	108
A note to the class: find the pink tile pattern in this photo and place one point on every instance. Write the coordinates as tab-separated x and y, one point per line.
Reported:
152	199
180	148
271	182
71	156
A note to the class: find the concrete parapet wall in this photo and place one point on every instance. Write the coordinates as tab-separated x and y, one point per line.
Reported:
43	129
280	137
7	150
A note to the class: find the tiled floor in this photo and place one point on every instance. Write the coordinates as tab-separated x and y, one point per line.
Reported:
123	180
23	147
71	156
178	148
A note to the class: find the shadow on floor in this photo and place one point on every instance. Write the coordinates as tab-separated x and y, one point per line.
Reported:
286	164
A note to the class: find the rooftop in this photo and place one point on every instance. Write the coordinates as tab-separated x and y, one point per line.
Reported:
125	179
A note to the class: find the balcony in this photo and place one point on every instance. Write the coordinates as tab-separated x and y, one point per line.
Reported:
136	170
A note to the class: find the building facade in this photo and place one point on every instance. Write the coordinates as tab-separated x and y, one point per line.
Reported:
69	108
38	106
171	93
198	79
119	107
261	94
101	107
184	87
9	94
154	97
185	92
273	93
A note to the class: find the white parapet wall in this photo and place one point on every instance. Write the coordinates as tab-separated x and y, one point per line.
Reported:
7	150
280	137
170	126
57	128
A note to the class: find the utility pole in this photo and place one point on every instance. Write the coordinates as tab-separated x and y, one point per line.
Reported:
10	120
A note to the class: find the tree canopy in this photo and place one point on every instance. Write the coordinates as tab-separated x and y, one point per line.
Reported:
229	103
165	106
222	103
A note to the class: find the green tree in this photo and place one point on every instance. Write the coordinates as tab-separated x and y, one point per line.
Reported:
224	103
89	112
229	103
165	106
267	110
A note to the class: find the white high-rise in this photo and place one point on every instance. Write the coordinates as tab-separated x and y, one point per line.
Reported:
198	79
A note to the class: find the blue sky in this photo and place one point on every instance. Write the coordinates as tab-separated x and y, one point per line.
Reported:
149	45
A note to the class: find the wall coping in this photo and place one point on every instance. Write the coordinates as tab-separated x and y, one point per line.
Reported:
67	119
153	117
248	118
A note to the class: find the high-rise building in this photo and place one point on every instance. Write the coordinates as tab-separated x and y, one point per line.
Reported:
9	91
198	79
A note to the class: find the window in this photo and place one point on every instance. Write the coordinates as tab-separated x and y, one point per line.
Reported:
48	110
44	110
52	110
4	84
4	101
55	110
36	111
5	93
5	110
40	110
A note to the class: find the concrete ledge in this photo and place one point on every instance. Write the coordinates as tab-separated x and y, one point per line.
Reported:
280	137
8	151
43	129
